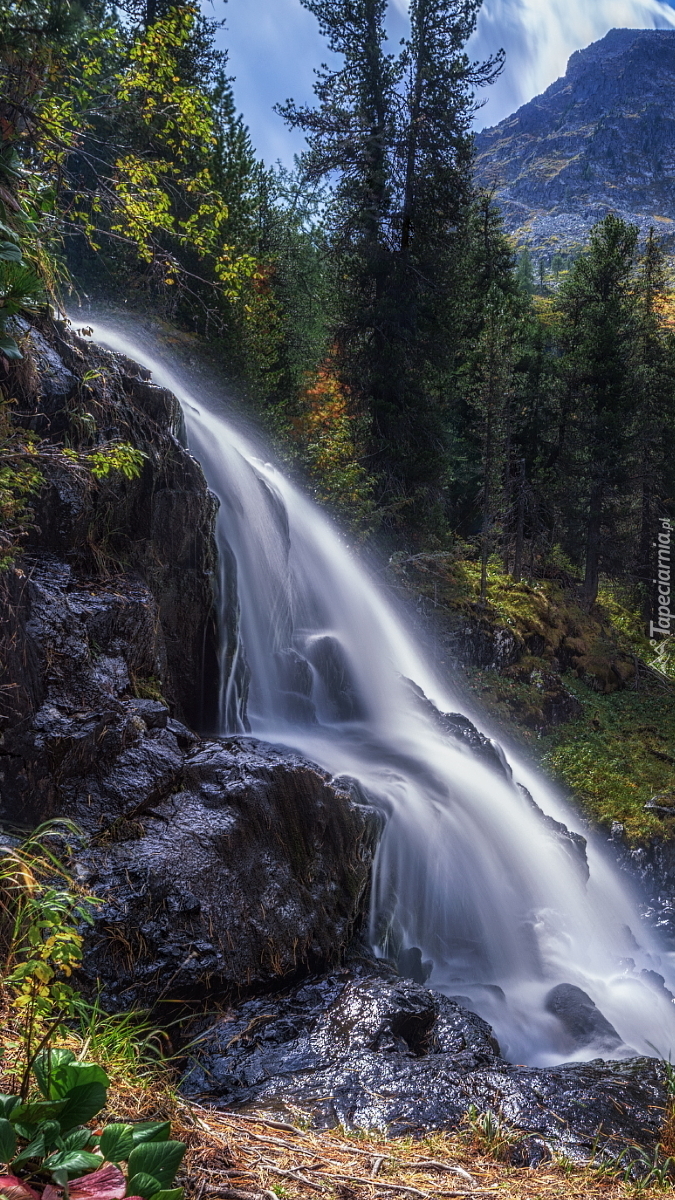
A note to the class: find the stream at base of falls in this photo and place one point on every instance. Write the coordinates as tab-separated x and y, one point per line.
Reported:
467	878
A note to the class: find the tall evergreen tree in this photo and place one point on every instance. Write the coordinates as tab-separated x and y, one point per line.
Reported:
395	132
599	374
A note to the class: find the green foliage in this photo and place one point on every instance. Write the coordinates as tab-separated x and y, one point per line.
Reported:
41	913
59	1144
116	456
618	756
491	1133
394	132
157	1162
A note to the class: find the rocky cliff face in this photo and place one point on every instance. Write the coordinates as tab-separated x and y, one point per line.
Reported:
219	865
600	139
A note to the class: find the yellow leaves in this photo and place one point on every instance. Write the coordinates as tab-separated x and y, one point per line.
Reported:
169	189
327	430
180	114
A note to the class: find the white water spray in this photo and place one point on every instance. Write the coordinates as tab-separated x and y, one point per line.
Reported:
466	870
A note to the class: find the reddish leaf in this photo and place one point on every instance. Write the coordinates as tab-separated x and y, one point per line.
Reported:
16	1189
107	1184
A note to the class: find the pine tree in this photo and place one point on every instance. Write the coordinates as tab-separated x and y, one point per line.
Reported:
654	426
599	374
396	135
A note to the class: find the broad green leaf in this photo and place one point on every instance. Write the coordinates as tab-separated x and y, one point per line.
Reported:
71	1161
7	1141
81	1104
160	1159
37	1110
77	1074
117	1142
47	1065
143	1185
8	347
169	1194
62	1076
10	252
151	1131
7	1103
35	1149
44	1138
77	1139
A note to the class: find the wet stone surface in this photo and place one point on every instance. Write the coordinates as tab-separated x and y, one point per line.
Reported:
364	1048
254	868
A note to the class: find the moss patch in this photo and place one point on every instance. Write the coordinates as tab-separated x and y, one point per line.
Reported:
618	756
544	616
611	744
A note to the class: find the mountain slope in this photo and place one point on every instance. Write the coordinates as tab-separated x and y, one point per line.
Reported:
600	139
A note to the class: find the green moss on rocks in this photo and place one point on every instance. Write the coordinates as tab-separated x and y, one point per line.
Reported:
581	693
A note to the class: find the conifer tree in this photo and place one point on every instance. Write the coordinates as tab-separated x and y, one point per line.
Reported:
395	132
599	374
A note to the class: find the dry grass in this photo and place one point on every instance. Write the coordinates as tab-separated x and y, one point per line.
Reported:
236	1156
247	1157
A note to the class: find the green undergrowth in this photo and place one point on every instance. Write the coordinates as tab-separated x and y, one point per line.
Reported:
617	757
616	750
544	612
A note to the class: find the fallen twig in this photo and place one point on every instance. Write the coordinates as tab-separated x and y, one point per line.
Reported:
290	1173
265	1121
398	1187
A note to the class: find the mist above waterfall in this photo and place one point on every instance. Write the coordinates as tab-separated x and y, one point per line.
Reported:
467	875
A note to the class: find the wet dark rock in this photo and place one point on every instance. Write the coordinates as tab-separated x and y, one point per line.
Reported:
152	712
581	1019
185	737
332	668
73	719
529	1152
650	870
574	844
411	965
157	528
459	727
366	1049
224	865
274	861
663	805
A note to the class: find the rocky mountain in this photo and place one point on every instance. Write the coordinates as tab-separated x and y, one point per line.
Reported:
600	139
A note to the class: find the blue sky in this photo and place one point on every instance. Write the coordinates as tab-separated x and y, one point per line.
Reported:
274	46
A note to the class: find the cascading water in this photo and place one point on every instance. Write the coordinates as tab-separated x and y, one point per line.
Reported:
466	869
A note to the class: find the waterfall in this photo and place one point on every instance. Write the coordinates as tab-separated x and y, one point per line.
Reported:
466	873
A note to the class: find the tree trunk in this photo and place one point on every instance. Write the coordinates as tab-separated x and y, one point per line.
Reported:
413	125
520	525
593	529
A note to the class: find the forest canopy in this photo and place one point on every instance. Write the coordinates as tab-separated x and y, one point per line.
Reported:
368	304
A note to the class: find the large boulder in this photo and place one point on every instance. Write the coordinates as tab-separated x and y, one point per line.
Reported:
366	1049
254	869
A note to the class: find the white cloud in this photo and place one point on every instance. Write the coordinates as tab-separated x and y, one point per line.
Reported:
540	35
